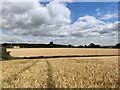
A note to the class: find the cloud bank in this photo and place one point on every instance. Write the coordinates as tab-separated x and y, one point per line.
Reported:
37	23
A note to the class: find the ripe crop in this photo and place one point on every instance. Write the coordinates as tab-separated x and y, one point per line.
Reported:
82	72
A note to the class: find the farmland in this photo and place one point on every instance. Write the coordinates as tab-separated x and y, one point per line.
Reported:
28	52
77	72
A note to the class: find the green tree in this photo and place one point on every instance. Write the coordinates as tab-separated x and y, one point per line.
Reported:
4	55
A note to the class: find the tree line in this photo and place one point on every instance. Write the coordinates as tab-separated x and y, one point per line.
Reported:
52	45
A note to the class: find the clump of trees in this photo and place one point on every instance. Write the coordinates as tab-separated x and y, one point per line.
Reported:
4	55
118	45
92	45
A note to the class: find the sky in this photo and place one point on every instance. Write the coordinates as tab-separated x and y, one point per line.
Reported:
76	23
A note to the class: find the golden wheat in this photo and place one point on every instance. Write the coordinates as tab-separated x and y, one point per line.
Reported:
24	73
27	52
82	72
85	72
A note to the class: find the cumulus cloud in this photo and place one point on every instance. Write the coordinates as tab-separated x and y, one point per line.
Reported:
34	22
20	0
6	38
30	17
109	16
37	0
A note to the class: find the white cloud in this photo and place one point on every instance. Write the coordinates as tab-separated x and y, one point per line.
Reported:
32	17
33	22
88	21
109	16
61	0
59	11
20	0
36	0
97	10
7	38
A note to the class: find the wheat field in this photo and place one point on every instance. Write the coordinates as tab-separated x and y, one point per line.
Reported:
23	52
81	72
72	72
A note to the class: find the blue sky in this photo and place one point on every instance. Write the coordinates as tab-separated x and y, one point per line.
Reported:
89	8
79	9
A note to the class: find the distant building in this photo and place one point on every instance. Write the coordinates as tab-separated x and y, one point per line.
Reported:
16	46
13	46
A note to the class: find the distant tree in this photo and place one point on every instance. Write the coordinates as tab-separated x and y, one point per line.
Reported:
118	45
70	45
80	46
4	55
85	46
92	45
51	43
97	46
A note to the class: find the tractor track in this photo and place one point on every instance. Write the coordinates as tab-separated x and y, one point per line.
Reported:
50	82
13	77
